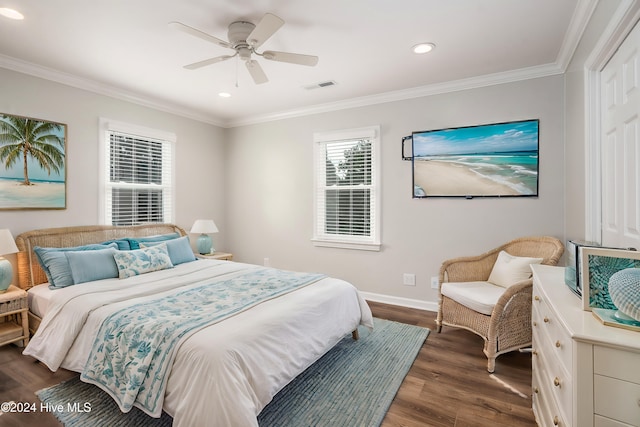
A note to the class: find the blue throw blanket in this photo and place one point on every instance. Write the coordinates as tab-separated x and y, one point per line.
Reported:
135	346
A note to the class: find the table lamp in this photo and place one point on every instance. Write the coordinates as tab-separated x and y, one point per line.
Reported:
7	246
204	227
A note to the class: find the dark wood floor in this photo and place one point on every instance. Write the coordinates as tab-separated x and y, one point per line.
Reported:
448	385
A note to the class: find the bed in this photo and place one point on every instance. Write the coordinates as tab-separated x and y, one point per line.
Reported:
221	366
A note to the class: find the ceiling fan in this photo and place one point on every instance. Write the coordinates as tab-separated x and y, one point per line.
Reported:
245	37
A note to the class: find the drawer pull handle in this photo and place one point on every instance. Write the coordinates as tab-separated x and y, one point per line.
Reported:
546	320
558	344
537	298
535	323
534	352
556	421
556	382
535	390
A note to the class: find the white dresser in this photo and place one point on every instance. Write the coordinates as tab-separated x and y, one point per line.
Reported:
584	374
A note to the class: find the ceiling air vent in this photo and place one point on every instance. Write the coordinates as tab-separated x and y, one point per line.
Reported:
321	85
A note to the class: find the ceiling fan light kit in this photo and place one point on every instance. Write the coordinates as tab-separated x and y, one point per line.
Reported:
245	37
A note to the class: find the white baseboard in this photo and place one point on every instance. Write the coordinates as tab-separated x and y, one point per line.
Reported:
403	302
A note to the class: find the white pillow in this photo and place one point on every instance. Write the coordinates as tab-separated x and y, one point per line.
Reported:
509	270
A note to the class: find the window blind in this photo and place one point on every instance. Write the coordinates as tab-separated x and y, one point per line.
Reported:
139	185
347	193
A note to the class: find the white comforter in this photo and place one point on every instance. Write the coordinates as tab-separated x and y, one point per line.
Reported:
226	373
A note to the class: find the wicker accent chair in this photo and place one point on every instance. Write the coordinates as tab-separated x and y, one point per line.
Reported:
508	327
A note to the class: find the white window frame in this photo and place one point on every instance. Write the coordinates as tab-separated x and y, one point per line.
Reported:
106	127
320	237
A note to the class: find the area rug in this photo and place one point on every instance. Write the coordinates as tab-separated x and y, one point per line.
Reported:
352	385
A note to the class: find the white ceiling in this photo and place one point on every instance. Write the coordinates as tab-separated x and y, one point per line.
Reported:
125	48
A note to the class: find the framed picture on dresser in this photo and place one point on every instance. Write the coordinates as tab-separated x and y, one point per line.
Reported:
597	265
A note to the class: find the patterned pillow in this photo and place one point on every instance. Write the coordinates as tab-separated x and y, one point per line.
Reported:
140	261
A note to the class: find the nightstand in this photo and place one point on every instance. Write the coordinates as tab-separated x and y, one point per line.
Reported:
217	255
14	319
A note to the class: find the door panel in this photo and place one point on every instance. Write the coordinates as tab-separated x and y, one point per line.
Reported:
620	148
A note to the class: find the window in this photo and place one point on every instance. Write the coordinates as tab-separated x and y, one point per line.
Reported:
347	189
136	174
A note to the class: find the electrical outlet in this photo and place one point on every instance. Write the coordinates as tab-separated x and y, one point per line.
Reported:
434	282
267	262
409	279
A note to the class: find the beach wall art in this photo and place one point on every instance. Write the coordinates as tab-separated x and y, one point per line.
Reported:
32	163
491	160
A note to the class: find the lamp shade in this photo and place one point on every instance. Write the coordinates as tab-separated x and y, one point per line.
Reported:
204	226
7	246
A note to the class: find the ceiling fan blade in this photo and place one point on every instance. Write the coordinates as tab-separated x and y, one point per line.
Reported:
256	72
197	33
293	58
206	62
266	28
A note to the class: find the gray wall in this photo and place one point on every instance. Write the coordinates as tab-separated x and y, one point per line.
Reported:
200	151
270	188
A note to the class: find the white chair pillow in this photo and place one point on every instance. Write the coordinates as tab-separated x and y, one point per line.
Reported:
478	296
509	270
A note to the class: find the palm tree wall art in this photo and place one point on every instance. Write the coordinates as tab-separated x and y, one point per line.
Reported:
32	163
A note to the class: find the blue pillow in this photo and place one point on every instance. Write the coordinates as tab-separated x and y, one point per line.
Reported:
87	266
123	244
56	266
179	249
134	242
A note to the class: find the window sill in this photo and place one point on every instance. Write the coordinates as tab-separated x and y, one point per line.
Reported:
342	244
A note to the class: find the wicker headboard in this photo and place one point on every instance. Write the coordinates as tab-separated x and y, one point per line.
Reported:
29	271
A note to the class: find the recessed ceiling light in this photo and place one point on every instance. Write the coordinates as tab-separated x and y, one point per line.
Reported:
11	13
423	47
224	95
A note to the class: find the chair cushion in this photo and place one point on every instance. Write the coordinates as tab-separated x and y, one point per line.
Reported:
478	296
509	270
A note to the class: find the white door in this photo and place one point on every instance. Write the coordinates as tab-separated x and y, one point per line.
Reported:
620	154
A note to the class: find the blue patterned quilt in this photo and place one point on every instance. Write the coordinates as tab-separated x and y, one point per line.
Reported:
135	346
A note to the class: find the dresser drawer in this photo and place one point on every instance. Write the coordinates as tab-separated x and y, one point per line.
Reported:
551	332
617	399
611	362
555	380
599	421
544	405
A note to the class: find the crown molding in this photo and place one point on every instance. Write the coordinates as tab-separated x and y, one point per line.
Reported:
400	95
71	80
577	26
404	94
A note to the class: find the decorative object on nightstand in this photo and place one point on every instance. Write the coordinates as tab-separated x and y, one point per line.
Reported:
204	227
13	311
7	246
